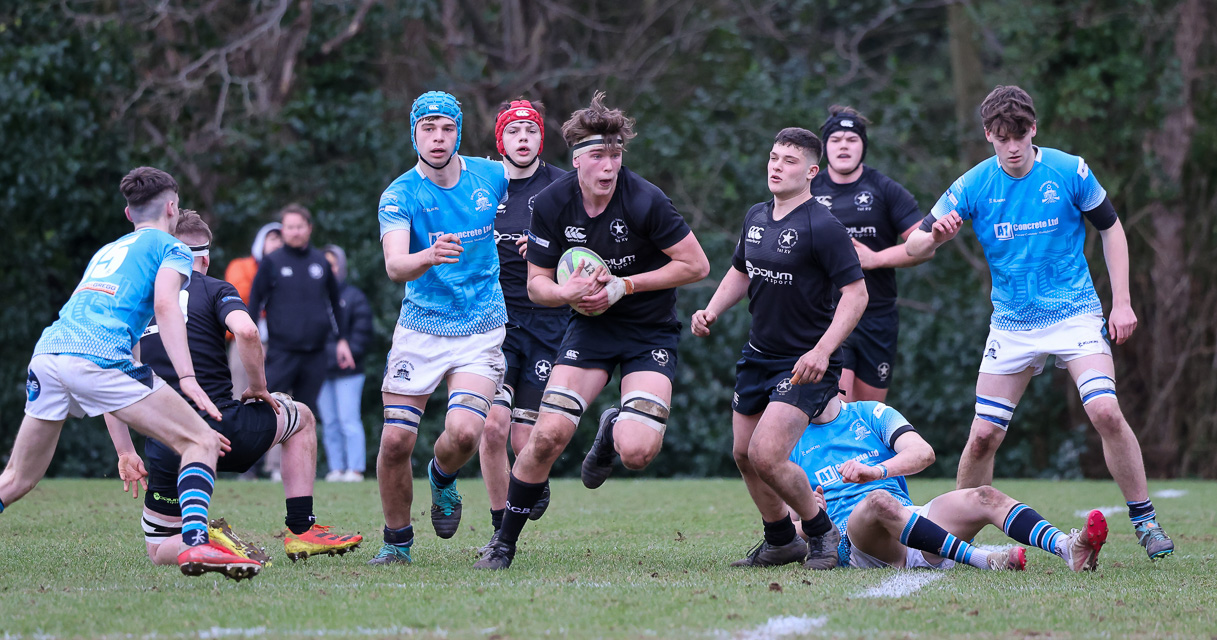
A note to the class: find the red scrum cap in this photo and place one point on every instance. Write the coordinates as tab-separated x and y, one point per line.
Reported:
519	110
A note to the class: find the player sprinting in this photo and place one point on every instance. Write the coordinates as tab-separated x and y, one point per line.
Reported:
791	258
84	365
1028	206
878	213
650	251
857	461
251	425
437	229
534	331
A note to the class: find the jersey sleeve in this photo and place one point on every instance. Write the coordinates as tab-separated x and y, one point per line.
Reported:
396	211
835	252
953	201
226	300
178	257
543	248
902	207
1088	194
890	423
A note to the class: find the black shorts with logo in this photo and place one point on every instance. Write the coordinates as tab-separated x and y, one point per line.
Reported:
249	427
594	343
762	378
530	347
870	350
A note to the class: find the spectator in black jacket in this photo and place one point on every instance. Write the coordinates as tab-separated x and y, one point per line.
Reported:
340	400
300	295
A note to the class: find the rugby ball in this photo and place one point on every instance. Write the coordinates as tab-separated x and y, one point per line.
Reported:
570	261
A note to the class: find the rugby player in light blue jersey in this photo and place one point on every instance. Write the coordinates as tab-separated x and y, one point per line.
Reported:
857	461
86	363
437	229
1028	206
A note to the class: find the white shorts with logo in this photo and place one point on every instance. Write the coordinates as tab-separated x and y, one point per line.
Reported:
419	361
913	558
59	385
1008	352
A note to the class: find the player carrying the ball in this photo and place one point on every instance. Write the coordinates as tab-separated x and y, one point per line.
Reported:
628	312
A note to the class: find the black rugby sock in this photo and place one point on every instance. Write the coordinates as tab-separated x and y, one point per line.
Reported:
402	537
818	525
300	516
521	498
496	518
780	532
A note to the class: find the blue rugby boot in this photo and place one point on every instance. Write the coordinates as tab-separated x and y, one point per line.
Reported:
1151	536
445	507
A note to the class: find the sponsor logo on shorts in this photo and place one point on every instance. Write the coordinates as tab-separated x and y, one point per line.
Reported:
160	498
864	200
286	272
784	386
884	370
734	399
316	271
620	232
107	288
1085	343
403	370
542	369
660	356
571	354
755	234
481	199
991	351
788	238
576	234
32	387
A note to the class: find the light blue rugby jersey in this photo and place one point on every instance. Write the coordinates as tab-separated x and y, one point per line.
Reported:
463	298
863	431
1032	233
112	305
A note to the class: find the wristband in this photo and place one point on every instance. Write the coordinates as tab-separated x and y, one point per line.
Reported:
629	285
884	477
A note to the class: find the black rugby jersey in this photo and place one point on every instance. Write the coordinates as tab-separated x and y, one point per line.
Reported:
875	211
207	302
510	224
630	235
795	267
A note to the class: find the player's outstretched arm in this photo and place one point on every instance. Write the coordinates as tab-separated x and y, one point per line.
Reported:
172	327
913	454
812	365
1123	321
731	289
925	240
130	466
894	257
249	346
403	266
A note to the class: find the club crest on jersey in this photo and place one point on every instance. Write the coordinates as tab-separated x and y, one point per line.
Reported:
660	356
286	272
755	234
784	386
316	271
620	232
576	234
788	238
542	369
1049	191
860	430
481	199
33	388
864	200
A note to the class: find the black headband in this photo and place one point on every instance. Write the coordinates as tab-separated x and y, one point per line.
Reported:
845	122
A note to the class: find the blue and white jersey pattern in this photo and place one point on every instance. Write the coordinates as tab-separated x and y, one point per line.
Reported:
112	305
863	431
1032	233
462	298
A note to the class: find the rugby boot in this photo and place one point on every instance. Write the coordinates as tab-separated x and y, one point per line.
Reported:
1013	559
1151	536
318	540
220	533
498	555
391	554
598	465
768	555
1082	546
538	510
197	560
822	550
445	508
494	537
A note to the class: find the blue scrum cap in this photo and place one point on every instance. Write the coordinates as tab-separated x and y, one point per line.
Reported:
436	103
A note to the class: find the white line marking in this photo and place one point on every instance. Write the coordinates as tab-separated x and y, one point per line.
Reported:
783	626
1170	493
901	584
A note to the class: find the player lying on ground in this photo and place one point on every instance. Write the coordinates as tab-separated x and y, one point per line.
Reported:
212	307
84	365
858	461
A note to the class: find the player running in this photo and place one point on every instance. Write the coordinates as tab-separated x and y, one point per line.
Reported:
878	213
858	459
533	331
649	251
1028	206
251	425
84	364
791	258
437	228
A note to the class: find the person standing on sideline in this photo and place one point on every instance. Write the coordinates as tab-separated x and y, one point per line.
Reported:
340	401
1029	206
877	213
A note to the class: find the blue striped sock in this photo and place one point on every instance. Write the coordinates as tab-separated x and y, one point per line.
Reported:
194	486
922	534
1141	511
1024	525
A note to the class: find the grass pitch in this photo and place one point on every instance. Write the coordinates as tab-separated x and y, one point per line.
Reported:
634	559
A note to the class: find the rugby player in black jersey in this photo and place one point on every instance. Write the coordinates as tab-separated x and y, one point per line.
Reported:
791	258
250	426
631	312
878	213
533	331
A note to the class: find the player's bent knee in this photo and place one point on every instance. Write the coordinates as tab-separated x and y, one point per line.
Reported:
635	456
987	496
995	410
564	402
646	408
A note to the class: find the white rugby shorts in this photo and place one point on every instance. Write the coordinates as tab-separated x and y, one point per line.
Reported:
913	558
1009	352
59	385
419	361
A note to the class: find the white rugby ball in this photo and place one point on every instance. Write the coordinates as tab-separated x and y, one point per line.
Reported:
571	260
